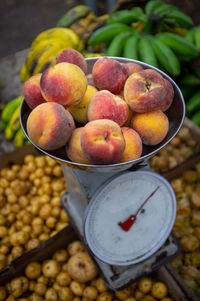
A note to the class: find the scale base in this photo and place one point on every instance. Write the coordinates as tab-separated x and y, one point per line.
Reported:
82	186
118	277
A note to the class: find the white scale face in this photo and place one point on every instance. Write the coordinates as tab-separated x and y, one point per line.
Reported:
120	199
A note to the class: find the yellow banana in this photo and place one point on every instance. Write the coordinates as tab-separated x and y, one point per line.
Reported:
79	26
57	32
73	35
37	51
19	138
34	55
47	58
14	121
8	133
179	30
82	23
24	73
139	25
80	46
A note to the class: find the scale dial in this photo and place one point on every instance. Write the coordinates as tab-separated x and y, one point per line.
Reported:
115	203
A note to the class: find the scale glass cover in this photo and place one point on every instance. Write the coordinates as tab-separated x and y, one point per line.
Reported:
115	203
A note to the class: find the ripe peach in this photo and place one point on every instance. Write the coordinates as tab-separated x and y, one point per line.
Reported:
109	74
102	141
72	56
169	96
134	67
105	105
50	125
73	148
151	126
80	111
32	92
145	91
133	148
63	83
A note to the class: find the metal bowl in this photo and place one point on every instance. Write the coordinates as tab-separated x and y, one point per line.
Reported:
175	114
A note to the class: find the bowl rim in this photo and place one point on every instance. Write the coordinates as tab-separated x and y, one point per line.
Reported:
121	164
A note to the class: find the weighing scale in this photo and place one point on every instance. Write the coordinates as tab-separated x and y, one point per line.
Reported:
124	212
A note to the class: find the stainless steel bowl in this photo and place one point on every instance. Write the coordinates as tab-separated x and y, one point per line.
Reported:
175	114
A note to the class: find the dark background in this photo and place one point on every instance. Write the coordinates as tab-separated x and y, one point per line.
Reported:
22	20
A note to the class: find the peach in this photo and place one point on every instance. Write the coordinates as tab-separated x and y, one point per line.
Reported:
50	125
32	92
151	126
72	56
102	141
105	105
80	111
133	148
134	67
169	96
63	83
109	74
145	91
73	148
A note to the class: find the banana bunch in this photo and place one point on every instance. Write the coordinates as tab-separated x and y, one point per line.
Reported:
167	16
130	34
10	122
46	47
83	21
189	84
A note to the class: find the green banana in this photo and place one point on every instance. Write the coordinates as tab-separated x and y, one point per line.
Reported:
19	138
146	52
152	5
140	13
90	29
117	44
14	121
74	14
196	118
10	108
107	33
166	57
190	80
26	141
180	18
178	44
193	103
197	36
190	35
187	91
123	16
130	48
9	134
3	125
164	10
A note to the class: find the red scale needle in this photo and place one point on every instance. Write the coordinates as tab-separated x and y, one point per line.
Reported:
126	225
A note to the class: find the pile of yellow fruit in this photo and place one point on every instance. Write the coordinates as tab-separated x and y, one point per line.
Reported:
30	209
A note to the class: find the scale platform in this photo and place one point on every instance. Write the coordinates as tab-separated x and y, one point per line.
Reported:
82	187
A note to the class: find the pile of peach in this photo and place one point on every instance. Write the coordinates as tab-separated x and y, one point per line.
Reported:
100	118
